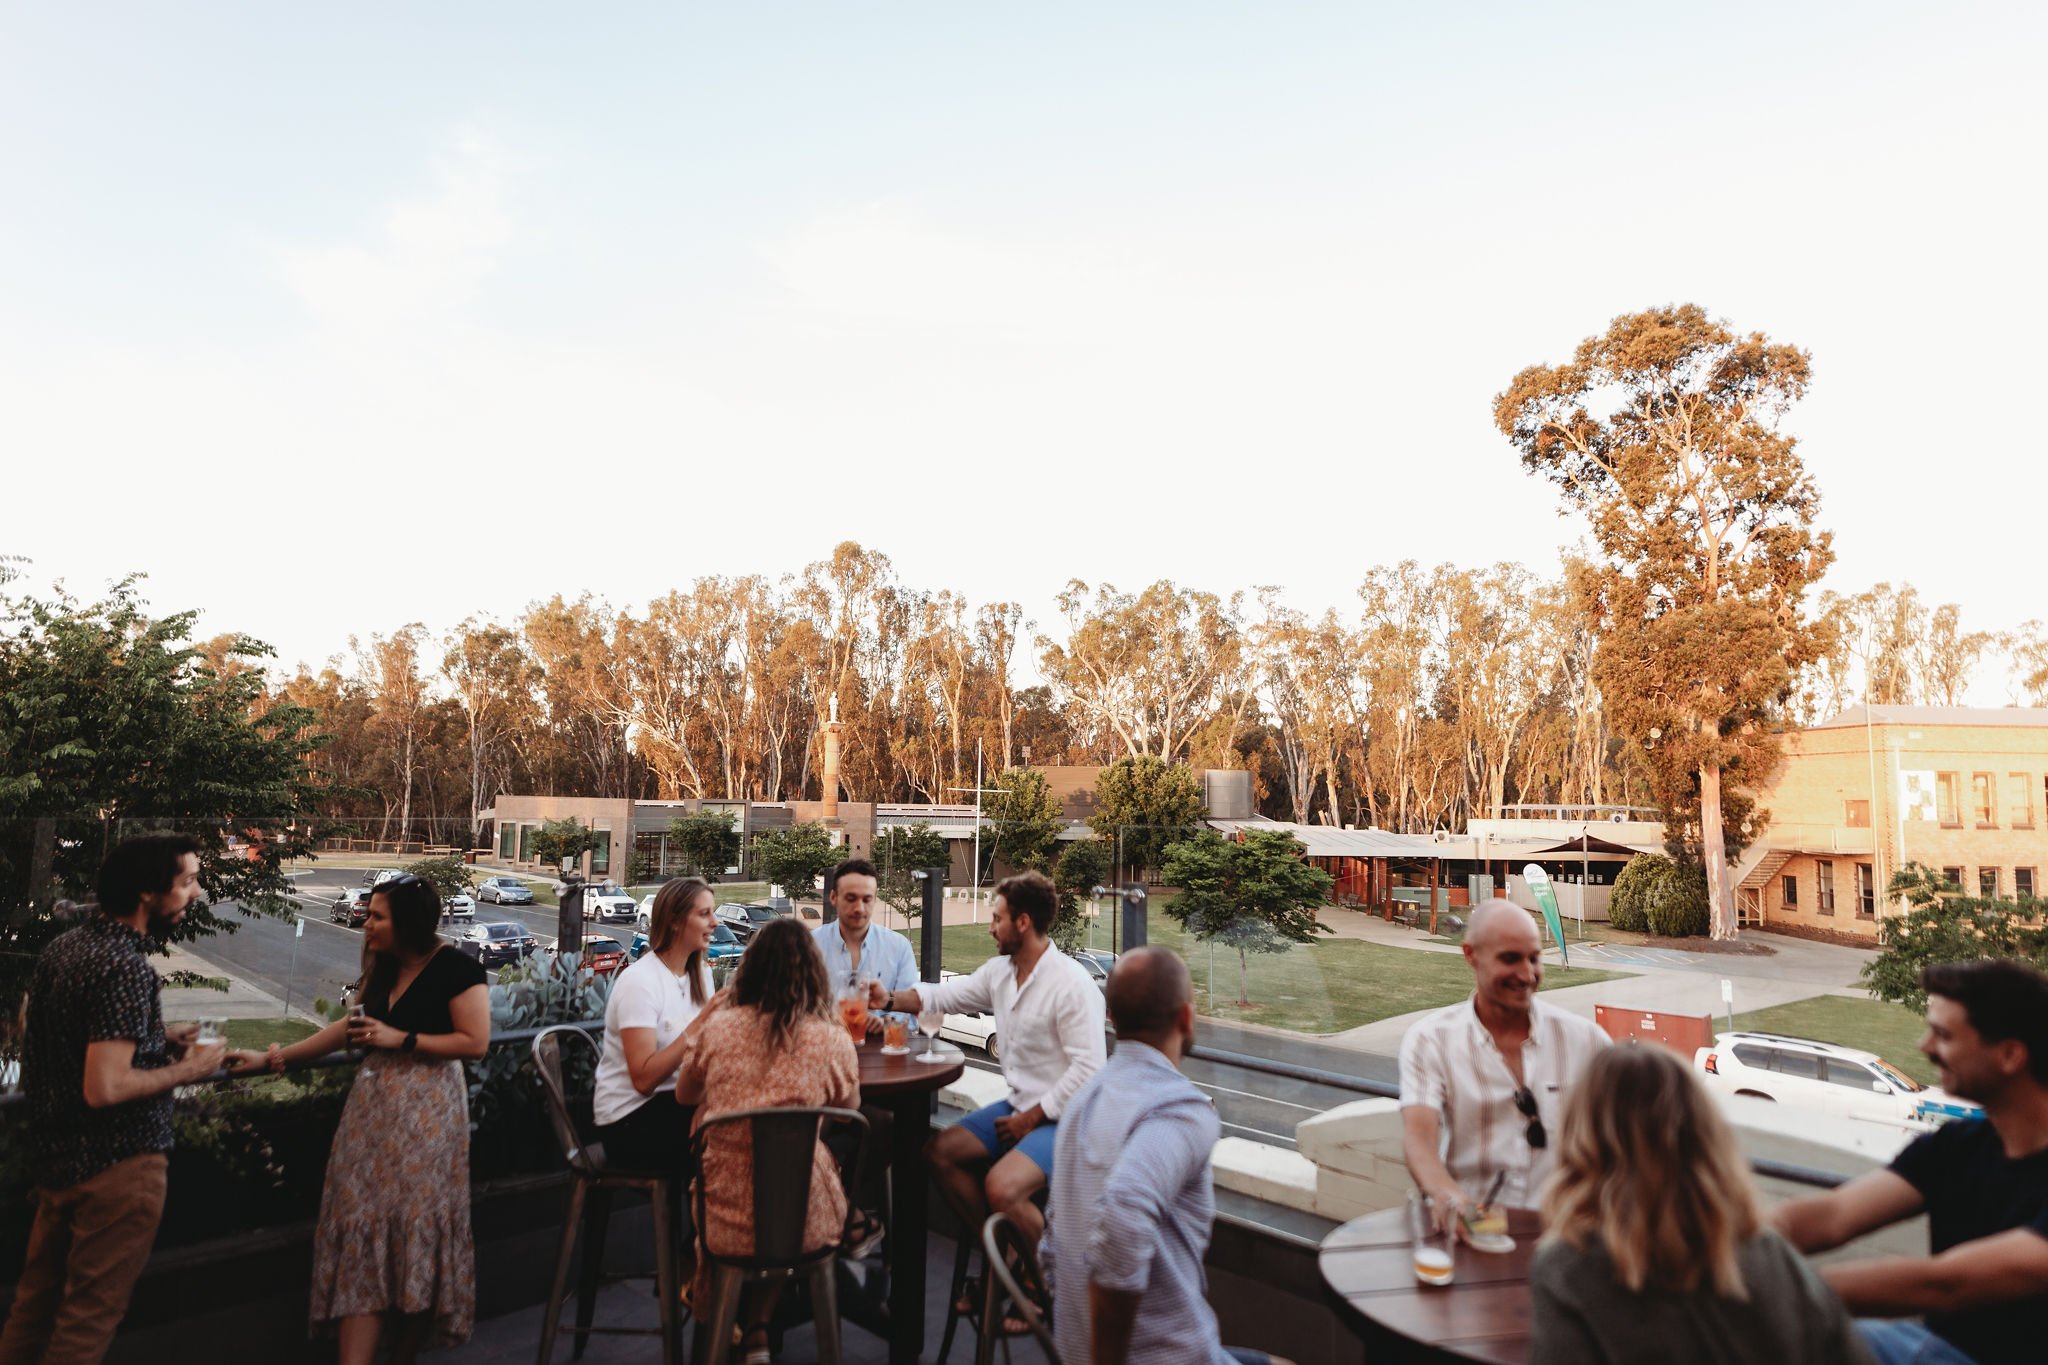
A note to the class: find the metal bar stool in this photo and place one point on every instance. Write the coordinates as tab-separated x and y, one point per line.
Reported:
784	1143
590	1195
963	1256
1015	1282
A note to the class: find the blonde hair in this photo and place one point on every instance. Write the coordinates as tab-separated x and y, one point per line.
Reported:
672	905
1647	1166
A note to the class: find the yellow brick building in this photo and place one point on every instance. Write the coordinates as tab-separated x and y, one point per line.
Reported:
1961	789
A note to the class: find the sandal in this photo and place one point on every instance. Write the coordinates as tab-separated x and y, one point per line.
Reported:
863	1233
755	1355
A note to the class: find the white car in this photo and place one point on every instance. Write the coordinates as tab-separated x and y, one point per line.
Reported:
605	903
1814	1075
458	906
971	1030
643	918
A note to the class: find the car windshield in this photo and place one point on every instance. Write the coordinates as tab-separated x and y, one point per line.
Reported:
505	931
722	935
760	914
1905	1083
602	945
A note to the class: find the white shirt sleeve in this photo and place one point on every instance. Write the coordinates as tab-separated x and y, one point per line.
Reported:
1423	1083
1079	1019
974	994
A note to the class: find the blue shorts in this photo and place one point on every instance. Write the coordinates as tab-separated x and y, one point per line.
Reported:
1037	1144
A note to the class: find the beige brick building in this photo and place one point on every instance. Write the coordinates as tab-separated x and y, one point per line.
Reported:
1961	789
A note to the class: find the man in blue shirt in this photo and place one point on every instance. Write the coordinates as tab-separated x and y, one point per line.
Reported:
1132	1194
854	945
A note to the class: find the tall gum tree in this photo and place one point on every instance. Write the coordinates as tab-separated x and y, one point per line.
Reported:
1703	516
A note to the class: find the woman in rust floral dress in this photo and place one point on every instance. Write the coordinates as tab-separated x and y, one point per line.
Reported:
393	1248
772	1040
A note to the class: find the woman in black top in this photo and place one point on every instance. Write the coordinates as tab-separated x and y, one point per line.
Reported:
393	1247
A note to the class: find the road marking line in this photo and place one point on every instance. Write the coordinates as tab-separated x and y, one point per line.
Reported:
1268	1099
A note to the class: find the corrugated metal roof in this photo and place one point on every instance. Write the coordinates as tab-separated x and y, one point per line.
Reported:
2020	717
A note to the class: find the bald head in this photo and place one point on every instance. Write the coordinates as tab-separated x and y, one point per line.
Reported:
1506	956
1495	917
1147	993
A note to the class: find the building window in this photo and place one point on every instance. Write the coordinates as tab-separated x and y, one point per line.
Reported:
1866	892
2020	791
1984	800
526	843
2023	883
601	855
1856	814
1788	896
1987	882
1948	800
506	836
1826	902
1952	879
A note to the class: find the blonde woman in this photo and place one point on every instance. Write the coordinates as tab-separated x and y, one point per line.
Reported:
1655	1248
653	1004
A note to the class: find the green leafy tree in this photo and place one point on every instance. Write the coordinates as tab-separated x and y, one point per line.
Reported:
1083	865
1150	803
563	841
796	857
1025	822
1635	887
1942	926
707	840
1703	516
113	723
448	876
898	854
1256	894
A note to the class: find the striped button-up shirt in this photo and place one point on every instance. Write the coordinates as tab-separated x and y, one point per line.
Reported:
1131	1209
1450	1064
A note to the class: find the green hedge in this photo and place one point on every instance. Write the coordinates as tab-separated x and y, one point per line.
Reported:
1654	895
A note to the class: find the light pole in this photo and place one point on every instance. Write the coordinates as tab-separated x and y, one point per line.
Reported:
974	897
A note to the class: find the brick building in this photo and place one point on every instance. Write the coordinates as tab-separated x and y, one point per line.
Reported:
1961	789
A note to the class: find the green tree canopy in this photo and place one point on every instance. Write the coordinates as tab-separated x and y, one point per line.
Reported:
563	841
1150	802
1942	926
113	723
1083	865
795	858
448	876
898	854
1256	894
707	840
1703	515
1025	820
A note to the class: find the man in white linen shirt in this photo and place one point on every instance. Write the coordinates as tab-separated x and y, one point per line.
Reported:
1484	1081
1049	1020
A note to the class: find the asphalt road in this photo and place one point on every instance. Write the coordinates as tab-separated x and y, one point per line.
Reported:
1250	1104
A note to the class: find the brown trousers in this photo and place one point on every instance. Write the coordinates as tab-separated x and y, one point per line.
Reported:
85	1253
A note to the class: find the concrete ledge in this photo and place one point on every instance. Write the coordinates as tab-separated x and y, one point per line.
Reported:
1272	1174
974	1089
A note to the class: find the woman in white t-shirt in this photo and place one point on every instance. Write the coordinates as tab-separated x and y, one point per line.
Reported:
654	1004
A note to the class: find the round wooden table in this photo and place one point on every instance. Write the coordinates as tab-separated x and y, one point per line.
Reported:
1483	1314
905	1087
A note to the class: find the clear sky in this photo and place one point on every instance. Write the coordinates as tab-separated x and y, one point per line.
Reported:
330	318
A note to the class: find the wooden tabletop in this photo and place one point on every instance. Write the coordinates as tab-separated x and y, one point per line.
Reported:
882	1075
1483	1314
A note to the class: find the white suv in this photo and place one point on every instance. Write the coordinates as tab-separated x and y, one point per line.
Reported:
1813	1075
604	903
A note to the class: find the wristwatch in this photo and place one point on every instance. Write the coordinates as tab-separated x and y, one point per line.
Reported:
412	1040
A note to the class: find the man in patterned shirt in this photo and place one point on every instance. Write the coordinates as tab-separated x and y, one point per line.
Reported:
99	1070
1132	1191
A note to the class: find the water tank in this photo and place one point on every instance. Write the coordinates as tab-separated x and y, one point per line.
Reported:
1227	793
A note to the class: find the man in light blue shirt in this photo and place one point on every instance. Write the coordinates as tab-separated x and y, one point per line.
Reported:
1132	1195
854	945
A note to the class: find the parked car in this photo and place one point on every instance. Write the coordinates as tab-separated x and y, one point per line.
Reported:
603	901
971	1030
351	907
497	942
1098	965
725	945
745	918
380	874
458	907
1815	1075
603	956
504	891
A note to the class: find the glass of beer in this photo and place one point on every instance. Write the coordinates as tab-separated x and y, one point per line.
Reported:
1430	1231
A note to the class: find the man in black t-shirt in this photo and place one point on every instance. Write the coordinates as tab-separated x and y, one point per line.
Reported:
99	1068
1983	1184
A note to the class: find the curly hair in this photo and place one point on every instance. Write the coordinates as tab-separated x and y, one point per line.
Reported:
1649	1169
782	976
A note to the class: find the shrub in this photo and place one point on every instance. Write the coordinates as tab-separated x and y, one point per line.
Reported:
1678	906
1635	888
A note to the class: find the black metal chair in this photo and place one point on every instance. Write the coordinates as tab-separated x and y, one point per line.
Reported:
784	1143
964	1252
1015	1285
590	1196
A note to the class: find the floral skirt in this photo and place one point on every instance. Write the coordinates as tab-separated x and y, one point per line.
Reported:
394	1233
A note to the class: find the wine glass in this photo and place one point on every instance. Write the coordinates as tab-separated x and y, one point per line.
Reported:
932	1019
